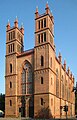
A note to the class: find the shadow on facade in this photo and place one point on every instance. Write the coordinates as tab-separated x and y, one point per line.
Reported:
44	113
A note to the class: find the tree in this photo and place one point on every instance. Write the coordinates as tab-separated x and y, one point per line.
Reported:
44	113
2	102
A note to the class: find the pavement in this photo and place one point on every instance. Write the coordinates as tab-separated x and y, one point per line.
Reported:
15	118
34	119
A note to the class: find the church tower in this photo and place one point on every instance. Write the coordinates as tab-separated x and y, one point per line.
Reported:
44	56
14	46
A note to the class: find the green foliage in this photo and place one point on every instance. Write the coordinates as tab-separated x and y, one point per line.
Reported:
2	102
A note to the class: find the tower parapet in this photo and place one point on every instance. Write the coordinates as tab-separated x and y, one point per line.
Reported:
15	36
44	24
47	12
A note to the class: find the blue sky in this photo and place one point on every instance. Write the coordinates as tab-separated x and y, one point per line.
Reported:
65	29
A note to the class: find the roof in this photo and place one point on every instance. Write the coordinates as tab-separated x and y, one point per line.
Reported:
27	52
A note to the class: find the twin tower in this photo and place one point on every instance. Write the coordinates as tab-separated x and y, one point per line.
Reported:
35	79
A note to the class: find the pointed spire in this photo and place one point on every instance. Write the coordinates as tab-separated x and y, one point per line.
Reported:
36	13
16	22
8	21
64	64
68	70
16	19
8	25
36	9
71	75
47	8
60	57
22	28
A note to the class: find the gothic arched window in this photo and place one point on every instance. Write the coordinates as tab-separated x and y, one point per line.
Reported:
62	87
42	101
57	84
41	80
42	60
10	84
10	102
10	68
45	22
27	79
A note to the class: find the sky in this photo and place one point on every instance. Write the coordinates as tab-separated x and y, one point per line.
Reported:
65	28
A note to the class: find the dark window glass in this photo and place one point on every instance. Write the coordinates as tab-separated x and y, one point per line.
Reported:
10	84
38	38
10	68
9	48
51	61
44	36
41	80
27	80
62	90
41	23
42	60
41	101
13	34
45	22
57	84
13	47
9	36
10	102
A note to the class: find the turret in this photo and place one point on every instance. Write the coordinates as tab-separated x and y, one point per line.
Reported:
60	57
71	75
8	25
36	13
68	70
47	8
22	28
16	22
64	64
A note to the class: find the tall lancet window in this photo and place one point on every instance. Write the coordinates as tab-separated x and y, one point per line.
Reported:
27	79
42	60
57	83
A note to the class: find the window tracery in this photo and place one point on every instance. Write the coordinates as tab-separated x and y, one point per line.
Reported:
27	79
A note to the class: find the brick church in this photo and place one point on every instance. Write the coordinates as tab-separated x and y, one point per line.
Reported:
36	79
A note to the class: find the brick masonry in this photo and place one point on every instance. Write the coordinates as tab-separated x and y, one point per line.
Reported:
53	94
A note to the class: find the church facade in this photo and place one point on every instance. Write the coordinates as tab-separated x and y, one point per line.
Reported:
36	79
